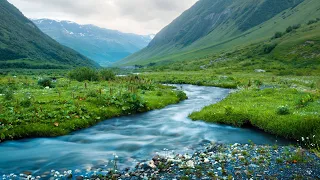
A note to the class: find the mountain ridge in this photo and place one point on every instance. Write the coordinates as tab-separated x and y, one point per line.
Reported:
226	31
103	45
23	45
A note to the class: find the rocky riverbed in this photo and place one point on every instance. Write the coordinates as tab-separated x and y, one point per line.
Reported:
212	161
217	161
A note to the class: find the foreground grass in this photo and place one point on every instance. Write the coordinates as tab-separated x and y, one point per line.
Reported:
284	112
29	110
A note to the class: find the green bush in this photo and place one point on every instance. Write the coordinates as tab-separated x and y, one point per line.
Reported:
296	26
277	35
181	95
312	22
268	48
106	74
84	74
283	110
289	29
45	82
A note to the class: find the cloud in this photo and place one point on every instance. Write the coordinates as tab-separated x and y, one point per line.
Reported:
135	16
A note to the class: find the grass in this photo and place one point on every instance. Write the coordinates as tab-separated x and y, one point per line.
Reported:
286	106
260	108
27	109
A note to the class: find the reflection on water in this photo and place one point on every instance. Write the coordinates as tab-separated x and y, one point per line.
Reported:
132	138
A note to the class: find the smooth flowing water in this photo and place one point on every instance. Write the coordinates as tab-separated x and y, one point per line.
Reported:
132	138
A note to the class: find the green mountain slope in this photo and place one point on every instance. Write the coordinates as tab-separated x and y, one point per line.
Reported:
294	53
23	45
233	23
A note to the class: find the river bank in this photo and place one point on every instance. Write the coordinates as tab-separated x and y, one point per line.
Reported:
48	107
210	161
133	138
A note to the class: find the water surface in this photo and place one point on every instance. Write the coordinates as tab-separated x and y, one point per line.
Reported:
132	138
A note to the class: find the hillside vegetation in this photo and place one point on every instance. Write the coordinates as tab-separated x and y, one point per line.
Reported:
23	45
236	25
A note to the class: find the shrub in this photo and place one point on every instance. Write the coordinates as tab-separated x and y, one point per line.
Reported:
106	74
181	95
289	29
283	110
45	82
312	22
296	26
268	48
277	35
84	74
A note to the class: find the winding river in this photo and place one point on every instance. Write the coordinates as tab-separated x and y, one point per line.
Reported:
132	138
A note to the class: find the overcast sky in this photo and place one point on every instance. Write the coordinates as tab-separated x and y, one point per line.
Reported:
134	16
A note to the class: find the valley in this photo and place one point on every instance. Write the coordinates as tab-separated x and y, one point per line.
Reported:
230	89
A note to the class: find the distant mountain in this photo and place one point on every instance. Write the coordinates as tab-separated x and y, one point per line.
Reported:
104	46
23	45
212	26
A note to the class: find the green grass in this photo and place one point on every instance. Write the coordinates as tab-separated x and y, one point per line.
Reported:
260	108
286	106
29	110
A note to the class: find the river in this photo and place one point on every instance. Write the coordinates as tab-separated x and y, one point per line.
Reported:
131	138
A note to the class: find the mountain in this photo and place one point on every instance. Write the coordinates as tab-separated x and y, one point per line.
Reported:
102	45
23	45
212	26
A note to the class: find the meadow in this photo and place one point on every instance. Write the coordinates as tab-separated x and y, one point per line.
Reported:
286	106
48	106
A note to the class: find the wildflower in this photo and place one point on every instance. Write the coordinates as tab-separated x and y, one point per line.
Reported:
302	138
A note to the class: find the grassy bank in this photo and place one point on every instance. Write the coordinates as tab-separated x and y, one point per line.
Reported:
285	112
287	105
33	106
234	79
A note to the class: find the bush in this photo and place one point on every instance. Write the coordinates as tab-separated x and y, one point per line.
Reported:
277	35
106	74
84	74
45	82
181	95
312	22
283	110
296	26
268	48
289	29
